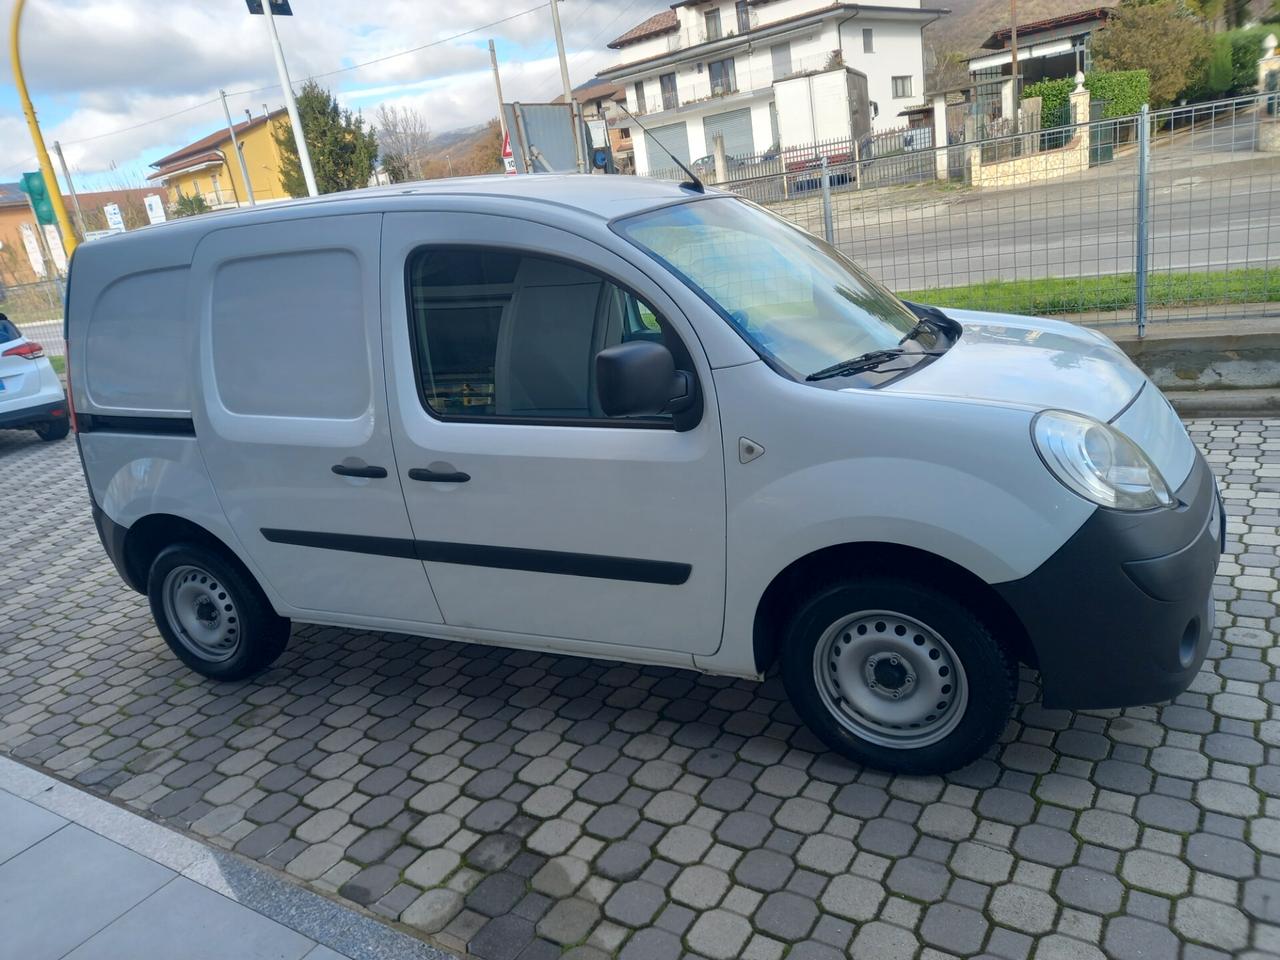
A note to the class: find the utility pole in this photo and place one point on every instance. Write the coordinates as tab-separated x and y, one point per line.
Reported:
1013	47
235	145
69	241
497	82
568	90
71	187
304	156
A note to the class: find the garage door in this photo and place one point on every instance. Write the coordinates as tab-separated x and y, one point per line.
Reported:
735	127
673	136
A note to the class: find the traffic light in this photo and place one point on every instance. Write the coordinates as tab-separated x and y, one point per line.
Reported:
33	186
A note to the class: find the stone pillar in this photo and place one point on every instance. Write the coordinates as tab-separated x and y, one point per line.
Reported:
1080	102
1269	87
940	136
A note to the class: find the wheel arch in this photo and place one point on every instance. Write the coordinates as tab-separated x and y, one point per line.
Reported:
149	535
780	598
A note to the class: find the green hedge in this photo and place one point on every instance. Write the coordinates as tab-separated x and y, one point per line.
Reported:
1125	91
1246	50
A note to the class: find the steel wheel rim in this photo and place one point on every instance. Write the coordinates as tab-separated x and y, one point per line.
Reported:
202	613
890	680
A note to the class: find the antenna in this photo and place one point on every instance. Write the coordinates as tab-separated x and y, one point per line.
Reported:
694	183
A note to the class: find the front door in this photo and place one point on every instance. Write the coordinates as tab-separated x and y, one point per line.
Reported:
535	513
292	416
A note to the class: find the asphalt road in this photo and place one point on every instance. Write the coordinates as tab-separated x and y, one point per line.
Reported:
1214	204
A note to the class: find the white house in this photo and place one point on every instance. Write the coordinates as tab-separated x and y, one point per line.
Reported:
708	67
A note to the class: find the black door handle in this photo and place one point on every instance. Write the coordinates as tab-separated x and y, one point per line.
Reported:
439	476
374	473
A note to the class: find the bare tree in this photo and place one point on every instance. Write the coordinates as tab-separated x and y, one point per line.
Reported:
404	136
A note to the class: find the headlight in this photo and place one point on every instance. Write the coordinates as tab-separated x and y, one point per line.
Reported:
1098	462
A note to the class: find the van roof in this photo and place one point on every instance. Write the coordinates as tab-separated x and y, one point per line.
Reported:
598	197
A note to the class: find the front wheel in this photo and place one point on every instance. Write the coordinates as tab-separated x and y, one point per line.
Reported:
897	675
212	614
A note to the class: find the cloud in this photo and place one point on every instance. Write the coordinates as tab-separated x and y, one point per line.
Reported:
100	66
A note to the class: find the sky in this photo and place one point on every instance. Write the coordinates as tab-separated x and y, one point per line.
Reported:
120	83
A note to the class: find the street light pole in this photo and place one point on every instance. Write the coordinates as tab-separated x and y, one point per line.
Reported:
299	139
235	145
71	187
568	90
497	82
69	241
1013	47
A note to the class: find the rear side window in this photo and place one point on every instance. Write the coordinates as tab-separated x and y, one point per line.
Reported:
7	330
502	335
289	336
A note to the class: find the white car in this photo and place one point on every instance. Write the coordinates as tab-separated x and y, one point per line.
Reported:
31	396
618	418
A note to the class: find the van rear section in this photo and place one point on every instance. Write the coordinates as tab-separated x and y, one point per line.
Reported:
129	377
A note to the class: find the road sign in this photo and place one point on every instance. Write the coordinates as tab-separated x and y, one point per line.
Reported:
155	208
114	220
279	8
508	158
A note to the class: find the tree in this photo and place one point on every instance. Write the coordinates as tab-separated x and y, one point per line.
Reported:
189	206
1159	38
404	137
342	150
478	154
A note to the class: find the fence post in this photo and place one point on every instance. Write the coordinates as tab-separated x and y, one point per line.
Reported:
857	162
1140	266
827	229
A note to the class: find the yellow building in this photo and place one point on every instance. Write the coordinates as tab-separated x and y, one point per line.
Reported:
209	168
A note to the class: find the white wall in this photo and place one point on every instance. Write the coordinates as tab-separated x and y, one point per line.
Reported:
898	52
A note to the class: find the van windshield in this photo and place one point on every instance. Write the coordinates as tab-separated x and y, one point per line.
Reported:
798	300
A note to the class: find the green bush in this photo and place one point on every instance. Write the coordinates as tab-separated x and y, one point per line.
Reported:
1124	91
1246	50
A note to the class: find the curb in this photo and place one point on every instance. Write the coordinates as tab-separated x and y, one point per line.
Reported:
316	917
1225	403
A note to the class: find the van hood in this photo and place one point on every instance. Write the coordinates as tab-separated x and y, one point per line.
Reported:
1029	362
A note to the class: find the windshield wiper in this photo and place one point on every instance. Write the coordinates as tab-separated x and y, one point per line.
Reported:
868	361
921	325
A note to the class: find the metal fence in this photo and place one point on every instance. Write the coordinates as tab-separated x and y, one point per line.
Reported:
1166	215
36	308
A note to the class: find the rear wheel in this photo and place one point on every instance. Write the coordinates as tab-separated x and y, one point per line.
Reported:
898	675
212	614
53	430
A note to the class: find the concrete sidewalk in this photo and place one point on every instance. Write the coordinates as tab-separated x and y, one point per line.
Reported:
83	879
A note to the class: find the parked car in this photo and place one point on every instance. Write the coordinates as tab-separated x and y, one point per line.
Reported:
31	396
618	418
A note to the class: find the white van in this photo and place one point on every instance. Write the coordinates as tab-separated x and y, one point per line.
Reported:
617	418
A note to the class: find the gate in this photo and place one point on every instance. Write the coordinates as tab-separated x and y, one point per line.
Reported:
1102	134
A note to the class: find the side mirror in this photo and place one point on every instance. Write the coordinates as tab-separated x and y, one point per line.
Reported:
639	379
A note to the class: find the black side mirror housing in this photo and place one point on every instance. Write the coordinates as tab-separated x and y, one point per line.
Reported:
639	379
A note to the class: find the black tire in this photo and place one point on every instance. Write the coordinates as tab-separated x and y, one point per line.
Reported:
53	430
989	674
253	635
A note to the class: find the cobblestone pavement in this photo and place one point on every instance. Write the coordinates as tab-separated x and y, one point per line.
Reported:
515	805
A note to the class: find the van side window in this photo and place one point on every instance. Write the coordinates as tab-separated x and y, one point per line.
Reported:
510	336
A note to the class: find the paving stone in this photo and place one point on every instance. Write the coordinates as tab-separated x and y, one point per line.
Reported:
1046	845
1157	872
1090	890
786	915
763	870
635	903
496	894
954	928
1023	908
884	942
700	886
1129	938
433	910
853	897
719	935
652	944
503	938
918	879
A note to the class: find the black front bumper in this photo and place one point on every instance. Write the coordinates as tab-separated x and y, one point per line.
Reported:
1122	614
33	416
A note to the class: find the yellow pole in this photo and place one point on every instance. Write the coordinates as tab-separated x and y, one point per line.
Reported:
46	166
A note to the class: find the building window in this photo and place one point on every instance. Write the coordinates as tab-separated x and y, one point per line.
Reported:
217	188
901	87
723	78
624	133
868	40
781	54
744	16
713	24
195	187
640	107
669	98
